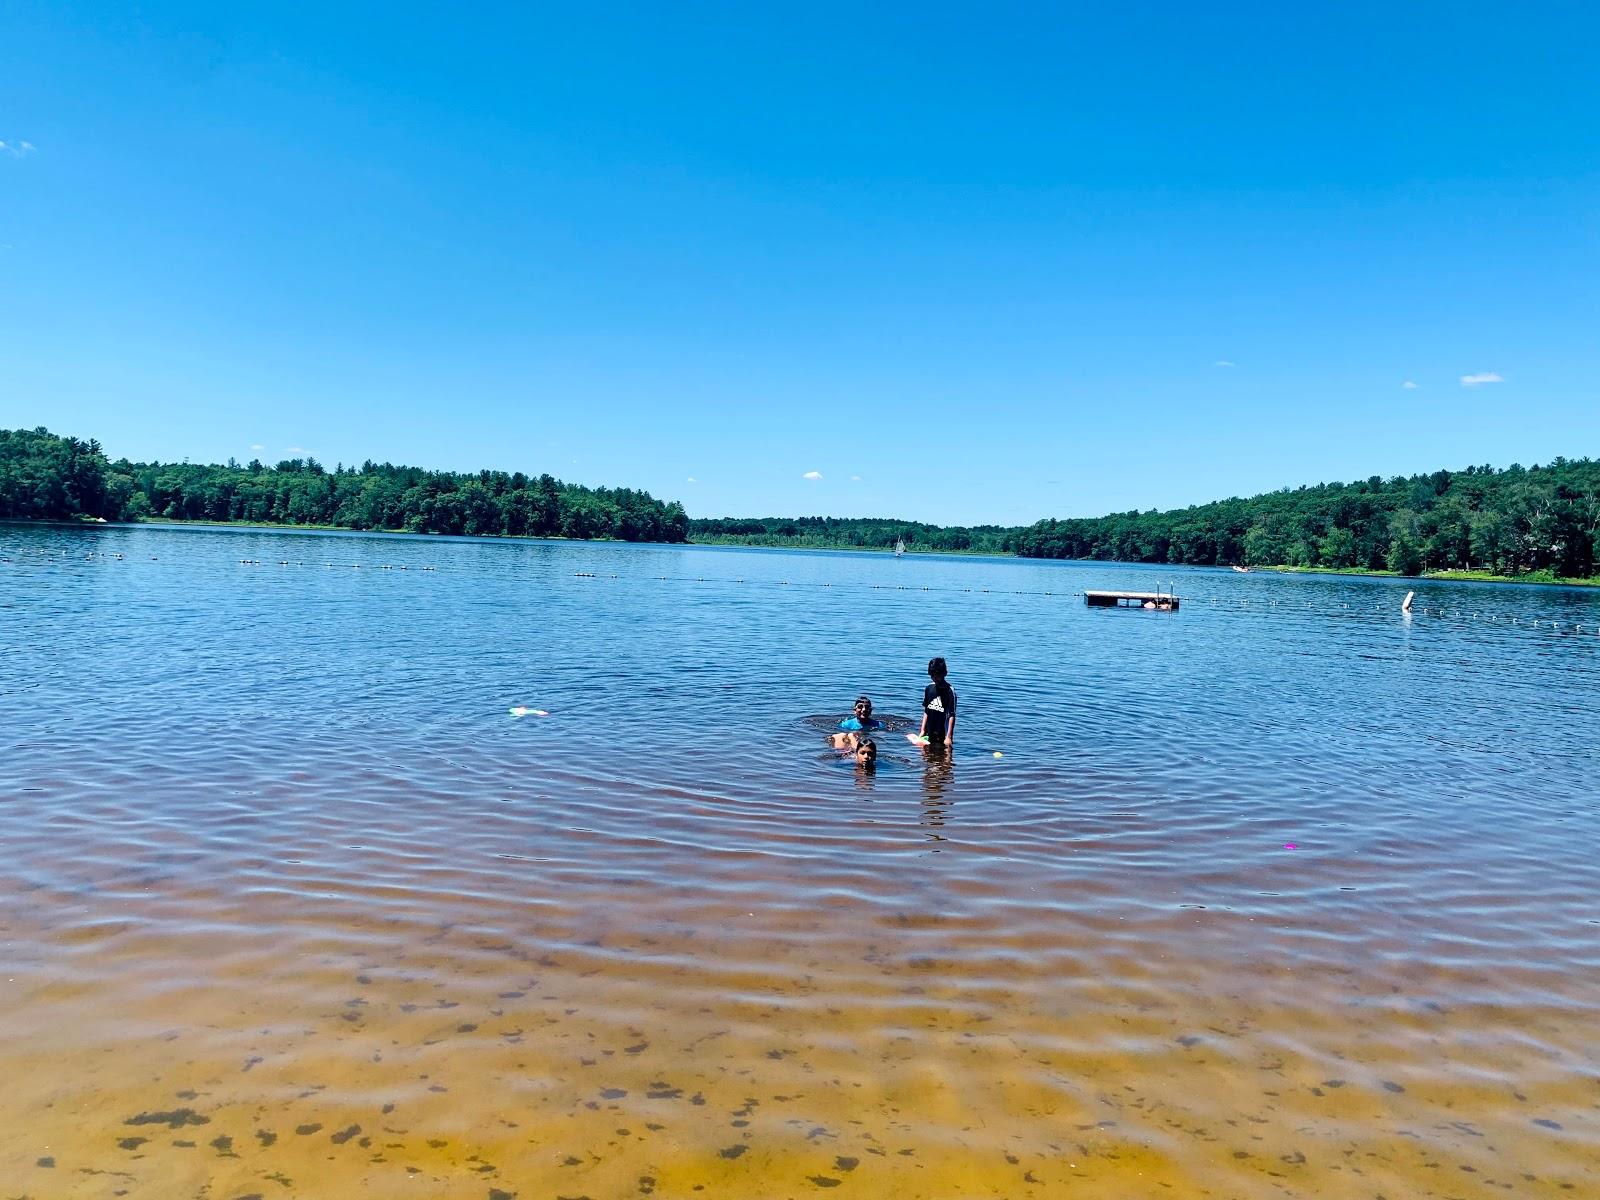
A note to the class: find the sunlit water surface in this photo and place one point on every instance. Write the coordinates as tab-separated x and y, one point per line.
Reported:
291	905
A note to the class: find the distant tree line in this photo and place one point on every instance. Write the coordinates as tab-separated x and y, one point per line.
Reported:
1516	521
46	476
862	533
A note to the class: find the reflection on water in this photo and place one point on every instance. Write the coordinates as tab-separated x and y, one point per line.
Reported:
291	906
938	772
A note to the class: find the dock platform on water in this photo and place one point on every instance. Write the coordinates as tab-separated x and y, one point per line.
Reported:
1164	601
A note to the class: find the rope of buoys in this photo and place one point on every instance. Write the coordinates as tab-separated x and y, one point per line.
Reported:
1241	602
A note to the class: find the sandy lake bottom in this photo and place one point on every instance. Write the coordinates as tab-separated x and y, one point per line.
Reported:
1278	896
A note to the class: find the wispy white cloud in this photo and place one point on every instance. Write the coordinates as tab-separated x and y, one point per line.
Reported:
1222	362
812	475
855	479
1481	378
257	446
16	149
296	450
1409	386
691	479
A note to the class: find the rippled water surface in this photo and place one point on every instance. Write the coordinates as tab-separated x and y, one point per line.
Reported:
291	905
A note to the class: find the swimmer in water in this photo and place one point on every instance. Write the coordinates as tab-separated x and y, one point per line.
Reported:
861	716
858	722
866	754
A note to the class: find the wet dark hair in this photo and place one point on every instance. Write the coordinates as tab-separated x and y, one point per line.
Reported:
869	745
867	700
937	669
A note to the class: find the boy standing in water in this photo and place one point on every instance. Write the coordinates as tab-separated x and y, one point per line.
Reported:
938	708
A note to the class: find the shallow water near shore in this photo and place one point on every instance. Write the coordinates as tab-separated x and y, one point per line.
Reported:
291	904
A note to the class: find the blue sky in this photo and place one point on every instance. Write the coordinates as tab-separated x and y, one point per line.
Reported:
963	263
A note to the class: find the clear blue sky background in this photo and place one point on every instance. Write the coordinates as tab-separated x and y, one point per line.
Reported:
969	262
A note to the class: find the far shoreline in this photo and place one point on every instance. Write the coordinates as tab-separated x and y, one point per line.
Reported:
1447	576
285	527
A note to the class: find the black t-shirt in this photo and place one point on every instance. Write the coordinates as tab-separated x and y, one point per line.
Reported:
939	703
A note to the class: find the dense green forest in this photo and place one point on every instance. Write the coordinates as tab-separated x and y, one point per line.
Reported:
1517	521
46	476
1541	521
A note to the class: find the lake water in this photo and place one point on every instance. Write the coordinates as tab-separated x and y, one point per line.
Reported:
291	905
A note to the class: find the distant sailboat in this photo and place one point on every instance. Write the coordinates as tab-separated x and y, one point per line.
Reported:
899	547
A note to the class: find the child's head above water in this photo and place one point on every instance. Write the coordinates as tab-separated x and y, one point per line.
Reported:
866	753
863	707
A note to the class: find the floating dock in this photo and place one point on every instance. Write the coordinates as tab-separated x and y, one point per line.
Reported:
1164	601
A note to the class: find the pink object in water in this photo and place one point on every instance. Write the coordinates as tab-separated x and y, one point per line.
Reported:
1290	846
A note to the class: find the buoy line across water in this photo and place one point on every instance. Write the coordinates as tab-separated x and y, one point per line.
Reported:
1255	604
